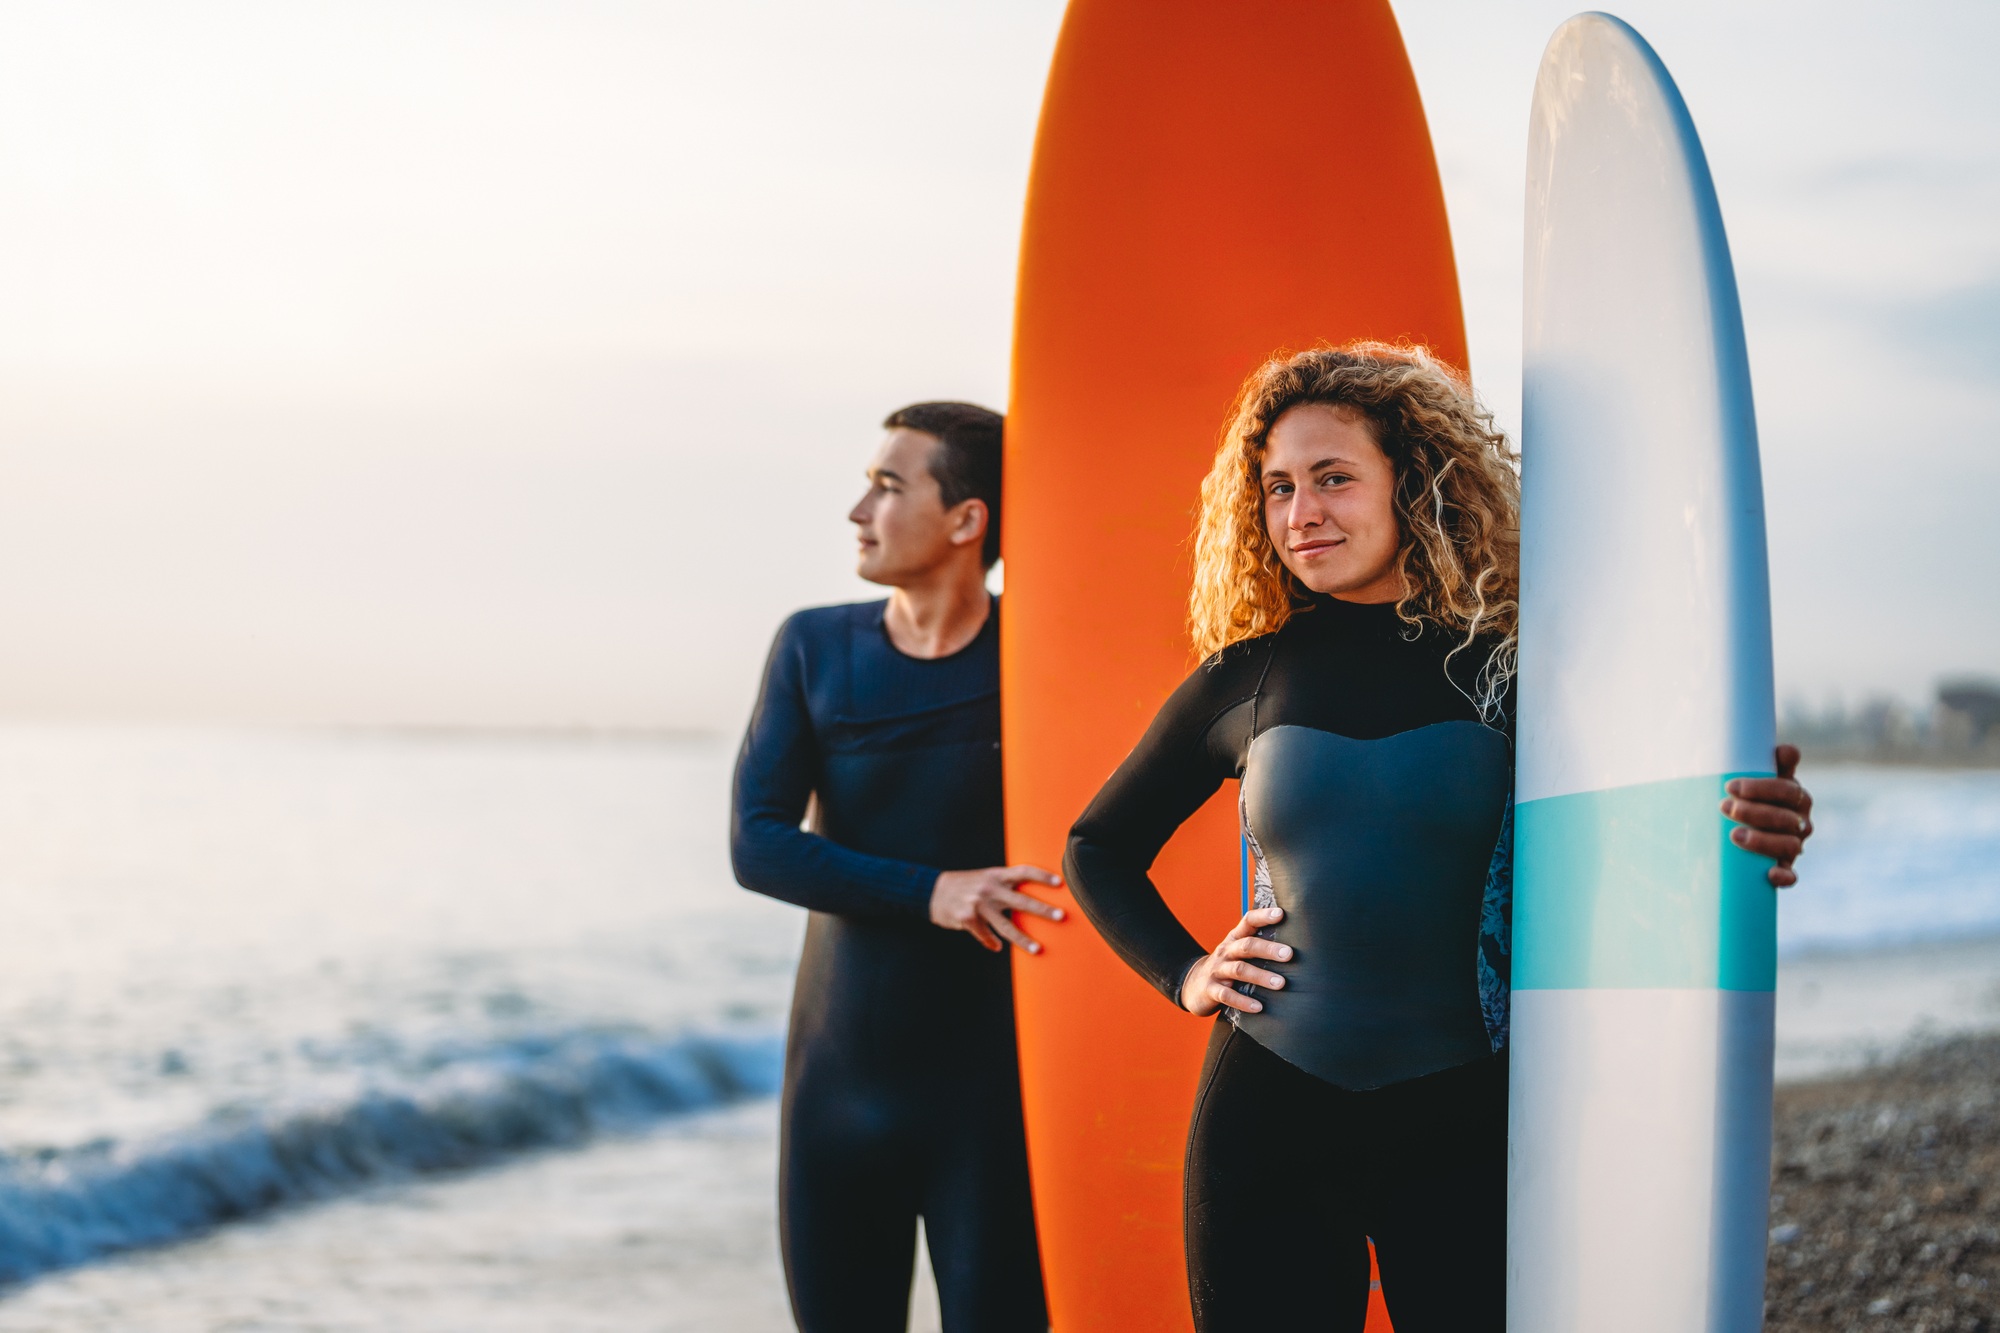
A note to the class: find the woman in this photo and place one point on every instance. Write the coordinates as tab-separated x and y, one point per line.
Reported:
1355	591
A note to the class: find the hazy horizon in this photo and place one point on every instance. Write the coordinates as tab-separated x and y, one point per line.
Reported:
448	364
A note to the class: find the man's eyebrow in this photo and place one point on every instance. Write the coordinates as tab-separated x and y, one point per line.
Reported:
879	472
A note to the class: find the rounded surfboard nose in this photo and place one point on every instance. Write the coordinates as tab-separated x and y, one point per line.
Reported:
1214	181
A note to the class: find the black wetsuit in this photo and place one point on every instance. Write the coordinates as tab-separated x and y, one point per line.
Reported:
902	1089
1369	1098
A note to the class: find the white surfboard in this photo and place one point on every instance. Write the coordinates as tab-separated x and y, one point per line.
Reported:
1645	941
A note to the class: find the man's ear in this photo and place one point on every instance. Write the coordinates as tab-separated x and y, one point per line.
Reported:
970	526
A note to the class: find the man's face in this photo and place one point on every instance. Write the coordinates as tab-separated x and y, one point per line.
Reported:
903	529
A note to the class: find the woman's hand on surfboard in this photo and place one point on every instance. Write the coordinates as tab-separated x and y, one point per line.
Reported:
1776	815
983	902
1211	983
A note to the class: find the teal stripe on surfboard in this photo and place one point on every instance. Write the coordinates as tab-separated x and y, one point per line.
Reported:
1640	887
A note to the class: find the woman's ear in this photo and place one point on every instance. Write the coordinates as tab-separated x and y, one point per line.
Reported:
970	525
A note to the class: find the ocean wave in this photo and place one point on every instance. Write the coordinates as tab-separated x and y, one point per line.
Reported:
471	1106
1902	856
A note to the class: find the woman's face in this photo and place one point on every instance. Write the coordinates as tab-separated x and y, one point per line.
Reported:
1329	506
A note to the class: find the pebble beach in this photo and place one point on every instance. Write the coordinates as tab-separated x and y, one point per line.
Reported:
1885	1204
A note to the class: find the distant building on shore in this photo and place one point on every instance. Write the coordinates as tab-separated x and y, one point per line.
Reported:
1961	726
1974	707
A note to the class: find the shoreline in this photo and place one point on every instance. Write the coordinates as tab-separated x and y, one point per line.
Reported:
1945	761
1885	1196
1845	1011
1886	1172
1885	1162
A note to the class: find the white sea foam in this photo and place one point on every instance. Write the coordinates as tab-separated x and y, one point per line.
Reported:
472	1107
247	970
1897	855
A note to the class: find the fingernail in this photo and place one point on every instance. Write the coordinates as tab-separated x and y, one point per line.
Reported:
1276	983
1284	955
1738	835
1059	914
1034	948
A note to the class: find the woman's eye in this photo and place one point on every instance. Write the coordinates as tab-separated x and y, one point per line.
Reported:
1281	488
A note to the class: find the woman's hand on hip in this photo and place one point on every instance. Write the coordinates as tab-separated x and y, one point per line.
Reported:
982	902
1776	815
1210	983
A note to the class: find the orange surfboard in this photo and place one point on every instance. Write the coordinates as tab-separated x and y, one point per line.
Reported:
1213	180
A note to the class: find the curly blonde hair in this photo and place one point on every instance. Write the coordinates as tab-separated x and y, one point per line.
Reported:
1457	498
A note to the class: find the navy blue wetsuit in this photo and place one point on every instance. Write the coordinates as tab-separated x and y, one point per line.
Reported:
902	1089
1369	1098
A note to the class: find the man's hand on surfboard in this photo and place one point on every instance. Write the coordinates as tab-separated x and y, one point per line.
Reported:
1776	814
983	902
1211	983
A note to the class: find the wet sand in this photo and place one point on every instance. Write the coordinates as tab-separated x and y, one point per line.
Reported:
676	1232
1846	1011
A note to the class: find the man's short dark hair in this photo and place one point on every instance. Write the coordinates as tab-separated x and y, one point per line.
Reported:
966	462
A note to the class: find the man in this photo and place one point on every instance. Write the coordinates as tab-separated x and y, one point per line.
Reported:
902	1093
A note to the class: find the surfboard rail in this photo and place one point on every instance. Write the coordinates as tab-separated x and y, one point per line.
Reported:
1183	223
1645	940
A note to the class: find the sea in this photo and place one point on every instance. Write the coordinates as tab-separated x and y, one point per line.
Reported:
272	997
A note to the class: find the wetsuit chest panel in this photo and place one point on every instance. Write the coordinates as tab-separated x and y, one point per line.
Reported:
921	786
908	749
961	720
1378	851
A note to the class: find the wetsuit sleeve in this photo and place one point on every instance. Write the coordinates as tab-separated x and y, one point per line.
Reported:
1177	765
775	775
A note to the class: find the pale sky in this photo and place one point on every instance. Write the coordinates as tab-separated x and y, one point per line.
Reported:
515	363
